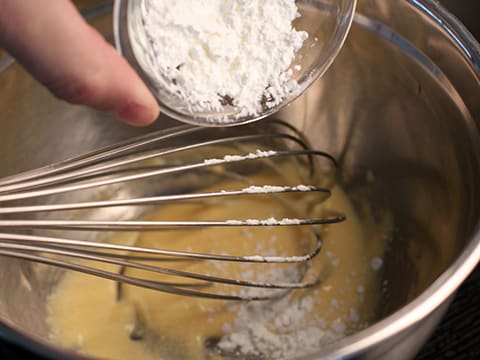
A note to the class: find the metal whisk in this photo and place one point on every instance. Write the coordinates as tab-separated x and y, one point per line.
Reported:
40	222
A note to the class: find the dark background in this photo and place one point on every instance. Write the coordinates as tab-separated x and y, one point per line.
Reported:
468	11
458	336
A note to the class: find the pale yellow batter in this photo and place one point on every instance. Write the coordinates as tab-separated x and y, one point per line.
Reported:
84	313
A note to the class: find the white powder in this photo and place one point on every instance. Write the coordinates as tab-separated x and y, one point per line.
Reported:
360	289
253	335
265	222
212	52
258	154
276	259
278	329
376	263
354	317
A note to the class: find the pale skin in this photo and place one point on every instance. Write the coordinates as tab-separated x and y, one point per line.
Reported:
55	44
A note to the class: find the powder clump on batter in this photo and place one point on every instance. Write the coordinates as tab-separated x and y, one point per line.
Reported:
277	330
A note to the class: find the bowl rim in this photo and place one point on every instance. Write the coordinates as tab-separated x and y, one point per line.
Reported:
407	316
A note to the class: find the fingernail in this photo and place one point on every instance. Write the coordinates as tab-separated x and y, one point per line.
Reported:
138	115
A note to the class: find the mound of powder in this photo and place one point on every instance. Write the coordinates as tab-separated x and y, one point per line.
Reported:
210	53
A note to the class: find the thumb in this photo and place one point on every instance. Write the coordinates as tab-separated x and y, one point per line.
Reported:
69	57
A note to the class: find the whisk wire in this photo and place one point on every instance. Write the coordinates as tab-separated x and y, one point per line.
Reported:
125	163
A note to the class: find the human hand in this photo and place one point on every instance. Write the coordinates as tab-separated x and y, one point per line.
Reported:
68	56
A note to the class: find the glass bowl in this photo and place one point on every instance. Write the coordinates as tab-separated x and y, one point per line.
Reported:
327	23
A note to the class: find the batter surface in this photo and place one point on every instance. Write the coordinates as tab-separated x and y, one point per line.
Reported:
92	316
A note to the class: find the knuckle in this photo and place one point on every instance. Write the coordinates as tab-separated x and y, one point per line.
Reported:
76	90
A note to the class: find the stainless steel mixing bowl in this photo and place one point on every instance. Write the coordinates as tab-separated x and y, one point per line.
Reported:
401	103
